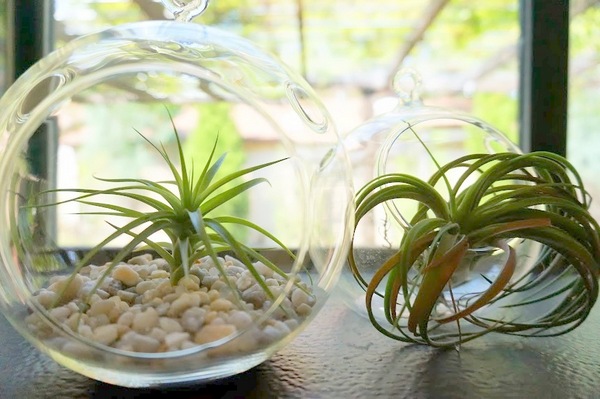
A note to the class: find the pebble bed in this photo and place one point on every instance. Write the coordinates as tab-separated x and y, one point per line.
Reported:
136	308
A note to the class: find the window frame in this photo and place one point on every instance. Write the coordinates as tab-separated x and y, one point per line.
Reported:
544	72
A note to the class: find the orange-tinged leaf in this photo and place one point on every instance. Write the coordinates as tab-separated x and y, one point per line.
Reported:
495	288
433	283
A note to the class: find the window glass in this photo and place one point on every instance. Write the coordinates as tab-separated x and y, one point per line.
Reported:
465	50
583	139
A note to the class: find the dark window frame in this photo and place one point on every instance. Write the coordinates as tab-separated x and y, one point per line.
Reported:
544	72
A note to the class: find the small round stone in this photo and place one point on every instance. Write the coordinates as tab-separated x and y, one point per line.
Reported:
263	269
213	332
240	319
126	275
46	298
303	310
143	259
175	339
67	288
170	325
106	334
144	286
193	319
221	305
299	297
184	302
143	343
61	313
103	306
144	322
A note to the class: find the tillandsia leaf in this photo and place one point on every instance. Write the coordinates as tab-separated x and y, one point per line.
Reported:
240	253
395	184
157	247
255	227
500	200
436	276
121	191
495	288
200	228
205	179
123	252
416	241
223	181
225	196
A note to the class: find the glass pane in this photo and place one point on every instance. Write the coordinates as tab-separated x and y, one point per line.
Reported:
465	51
583	139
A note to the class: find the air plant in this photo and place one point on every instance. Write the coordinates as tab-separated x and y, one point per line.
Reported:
499	204
182	208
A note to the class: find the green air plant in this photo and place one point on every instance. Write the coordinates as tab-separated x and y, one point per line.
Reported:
499	204
183	209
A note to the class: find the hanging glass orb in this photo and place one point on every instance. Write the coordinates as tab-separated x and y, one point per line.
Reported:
94	139
458	234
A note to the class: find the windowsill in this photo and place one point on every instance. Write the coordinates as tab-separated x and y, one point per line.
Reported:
340	355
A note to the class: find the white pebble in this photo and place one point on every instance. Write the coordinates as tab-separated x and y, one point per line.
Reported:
271	334
103	306
174	340
144	322
209	280
157	333
126	296
303	310
263	269
184	302
218	285
213	332
67	288
161	264
299	297
143	343
189	283
163	308
169	325
126	275
46	298
159	274
282	327
292	324
203	297
144	286
221	305
85	331
99	320
244	282
193	319
240	320
271	282
97	271
213	295
255	295
61	313
106	334
143	259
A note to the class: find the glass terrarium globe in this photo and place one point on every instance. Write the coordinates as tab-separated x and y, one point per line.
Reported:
416	140
100	108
